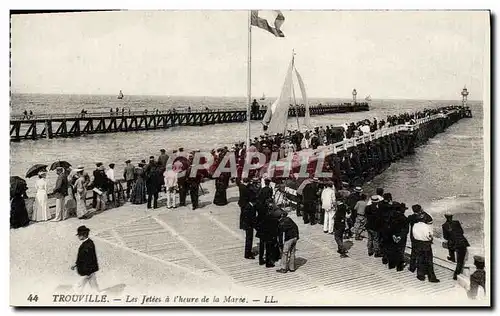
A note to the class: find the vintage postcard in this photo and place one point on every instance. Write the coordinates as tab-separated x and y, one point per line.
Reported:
250	158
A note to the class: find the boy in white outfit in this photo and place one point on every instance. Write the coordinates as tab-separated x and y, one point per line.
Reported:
328	205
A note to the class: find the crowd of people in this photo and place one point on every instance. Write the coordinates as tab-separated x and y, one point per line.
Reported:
344	213
145	181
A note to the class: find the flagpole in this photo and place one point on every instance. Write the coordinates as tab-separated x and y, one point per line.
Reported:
249	78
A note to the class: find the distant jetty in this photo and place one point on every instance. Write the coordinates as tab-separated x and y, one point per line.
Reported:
78	124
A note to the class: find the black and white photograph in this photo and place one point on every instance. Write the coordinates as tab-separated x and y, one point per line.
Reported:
251	158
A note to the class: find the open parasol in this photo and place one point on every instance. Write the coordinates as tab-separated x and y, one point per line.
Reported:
34	170
17	185
180	163
60	163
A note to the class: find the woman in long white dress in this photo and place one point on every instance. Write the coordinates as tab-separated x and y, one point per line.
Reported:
40	207
81	195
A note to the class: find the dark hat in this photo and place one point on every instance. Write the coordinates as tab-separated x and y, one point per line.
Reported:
128	161
111	165
267	180
151	157
162	150
387	196
143	161
478	259
81	230
181	148
416	208
403	207
98	164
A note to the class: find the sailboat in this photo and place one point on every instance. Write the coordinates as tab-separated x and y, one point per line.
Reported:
368	98
276	118
120	95
263	97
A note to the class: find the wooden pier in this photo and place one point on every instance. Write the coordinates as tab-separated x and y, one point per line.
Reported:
77	124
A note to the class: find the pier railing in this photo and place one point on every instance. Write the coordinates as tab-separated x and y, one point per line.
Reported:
135	113
365	138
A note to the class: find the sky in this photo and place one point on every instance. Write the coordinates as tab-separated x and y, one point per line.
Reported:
385	54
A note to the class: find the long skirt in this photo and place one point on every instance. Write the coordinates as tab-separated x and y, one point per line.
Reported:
18	213
69	206
40	207
220	197
138	195
81	207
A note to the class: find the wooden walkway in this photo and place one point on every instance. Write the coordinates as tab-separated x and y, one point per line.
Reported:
208	242
66	125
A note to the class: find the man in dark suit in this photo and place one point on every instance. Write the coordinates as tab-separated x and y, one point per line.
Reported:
454	234
247	223
288	237
266	192
244	194
339	225
86	262
386	209
267	232
60	191
310	200
99	182
153	183
397	237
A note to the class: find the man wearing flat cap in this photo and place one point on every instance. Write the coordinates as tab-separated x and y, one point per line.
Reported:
86	261
423	237
163	160
419	215
477	279
456	242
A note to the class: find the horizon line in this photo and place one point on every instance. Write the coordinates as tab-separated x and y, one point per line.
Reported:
231	96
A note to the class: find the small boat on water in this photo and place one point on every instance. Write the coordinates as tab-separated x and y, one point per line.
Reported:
120	95
368	98
263	97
